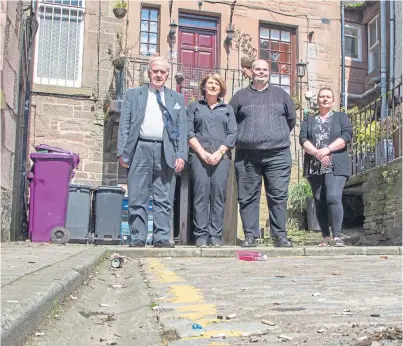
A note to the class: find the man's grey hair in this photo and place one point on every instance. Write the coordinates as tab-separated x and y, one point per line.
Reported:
159	60
256	61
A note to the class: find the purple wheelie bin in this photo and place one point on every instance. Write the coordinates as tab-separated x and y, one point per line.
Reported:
49	193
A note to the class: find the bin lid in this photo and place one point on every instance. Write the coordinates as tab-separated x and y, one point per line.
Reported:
110	188
80	187
44	148
53	156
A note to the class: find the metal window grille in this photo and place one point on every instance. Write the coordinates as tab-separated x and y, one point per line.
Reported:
59	42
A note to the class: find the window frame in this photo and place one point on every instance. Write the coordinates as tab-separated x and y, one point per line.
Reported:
359	39
77	83
292	52
158	21
371	68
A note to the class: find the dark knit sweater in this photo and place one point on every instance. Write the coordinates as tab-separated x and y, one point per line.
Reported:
265	118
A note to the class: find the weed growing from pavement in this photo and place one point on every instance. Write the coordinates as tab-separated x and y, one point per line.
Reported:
56	310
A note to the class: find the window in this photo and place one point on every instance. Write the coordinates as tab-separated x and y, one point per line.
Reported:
149	31
373	45
353	42
277	47
59	43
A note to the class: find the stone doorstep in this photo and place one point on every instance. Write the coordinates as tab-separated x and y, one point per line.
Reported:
229	251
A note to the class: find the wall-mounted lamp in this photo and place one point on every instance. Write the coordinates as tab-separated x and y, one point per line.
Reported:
301	69
230	34
172	31
200	4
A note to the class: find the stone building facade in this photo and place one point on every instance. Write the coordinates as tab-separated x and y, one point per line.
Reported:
363	48
14	75
68	109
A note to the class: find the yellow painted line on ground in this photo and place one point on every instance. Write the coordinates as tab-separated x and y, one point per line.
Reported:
185	294
196	309
164	275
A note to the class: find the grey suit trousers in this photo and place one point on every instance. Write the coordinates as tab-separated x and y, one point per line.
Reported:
150	175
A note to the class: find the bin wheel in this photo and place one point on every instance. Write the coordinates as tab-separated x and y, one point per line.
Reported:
59	235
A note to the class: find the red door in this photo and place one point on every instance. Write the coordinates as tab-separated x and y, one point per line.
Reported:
197	53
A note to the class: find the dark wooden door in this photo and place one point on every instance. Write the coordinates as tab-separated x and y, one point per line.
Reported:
197	52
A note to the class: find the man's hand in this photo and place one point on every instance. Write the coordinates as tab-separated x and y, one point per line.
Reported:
179	165
215	158
123	164
325	161
322	152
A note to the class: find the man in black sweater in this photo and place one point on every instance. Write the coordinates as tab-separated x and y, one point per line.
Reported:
265	115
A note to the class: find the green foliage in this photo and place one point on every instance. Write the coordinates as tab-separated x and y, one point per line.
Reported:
368	130
120	4
296	101
298	194
356	4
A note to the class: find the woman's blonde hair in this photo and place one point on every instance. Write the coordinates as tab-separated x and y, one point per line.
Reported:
216	77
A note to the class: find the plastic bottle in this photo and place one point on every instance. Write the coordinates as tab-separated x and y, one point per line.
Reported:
250	256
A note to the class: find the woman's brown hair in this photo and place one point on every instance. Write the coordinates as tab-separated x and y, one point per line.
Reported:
323	89
216	77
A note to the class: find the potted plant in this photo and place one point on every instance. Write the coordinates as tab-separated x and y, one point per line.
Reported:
120	9
302	206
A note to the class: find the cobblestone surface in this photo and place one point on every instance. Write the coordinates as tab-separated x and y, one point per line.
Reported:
312	300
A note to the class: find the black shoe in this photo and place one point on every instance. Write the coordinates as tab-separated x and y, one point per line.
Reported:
282	242
216	242
137	243
164	243
249	242
201	242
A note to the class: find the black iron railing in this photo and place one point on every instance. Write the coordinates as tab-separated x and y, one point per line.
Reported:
184	78
376	140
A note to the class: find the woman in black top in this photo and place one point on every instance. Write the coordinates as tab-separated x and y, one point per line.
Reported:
212	133
324	137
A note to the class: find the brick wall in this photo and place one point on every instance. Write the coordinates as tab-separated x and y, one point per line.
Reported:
10	26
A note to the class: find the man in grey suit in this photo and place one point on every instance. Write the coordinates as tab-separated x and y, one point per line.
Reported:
152	144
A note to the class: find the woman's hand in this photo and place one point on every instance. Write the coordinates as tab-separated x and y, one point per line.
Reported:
322	153
325	161
215	158
205	156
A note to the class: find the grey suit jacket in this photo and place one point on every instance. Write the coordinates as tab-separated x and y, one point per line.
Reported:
132	118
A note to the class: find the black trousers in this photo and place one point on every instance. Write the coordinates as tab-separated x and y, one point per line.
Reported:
275	168
327	190
209	194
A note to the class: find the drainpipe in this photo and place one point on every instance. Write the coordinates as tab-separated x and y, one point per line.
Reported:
384	79
392	44
343	61
360	97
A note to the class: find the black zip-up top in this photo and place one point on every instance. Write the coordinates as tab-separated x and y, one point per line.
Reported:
212	127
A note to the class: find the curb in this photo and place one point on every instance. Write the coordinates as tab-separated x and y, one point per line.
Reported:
269	251
36	294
